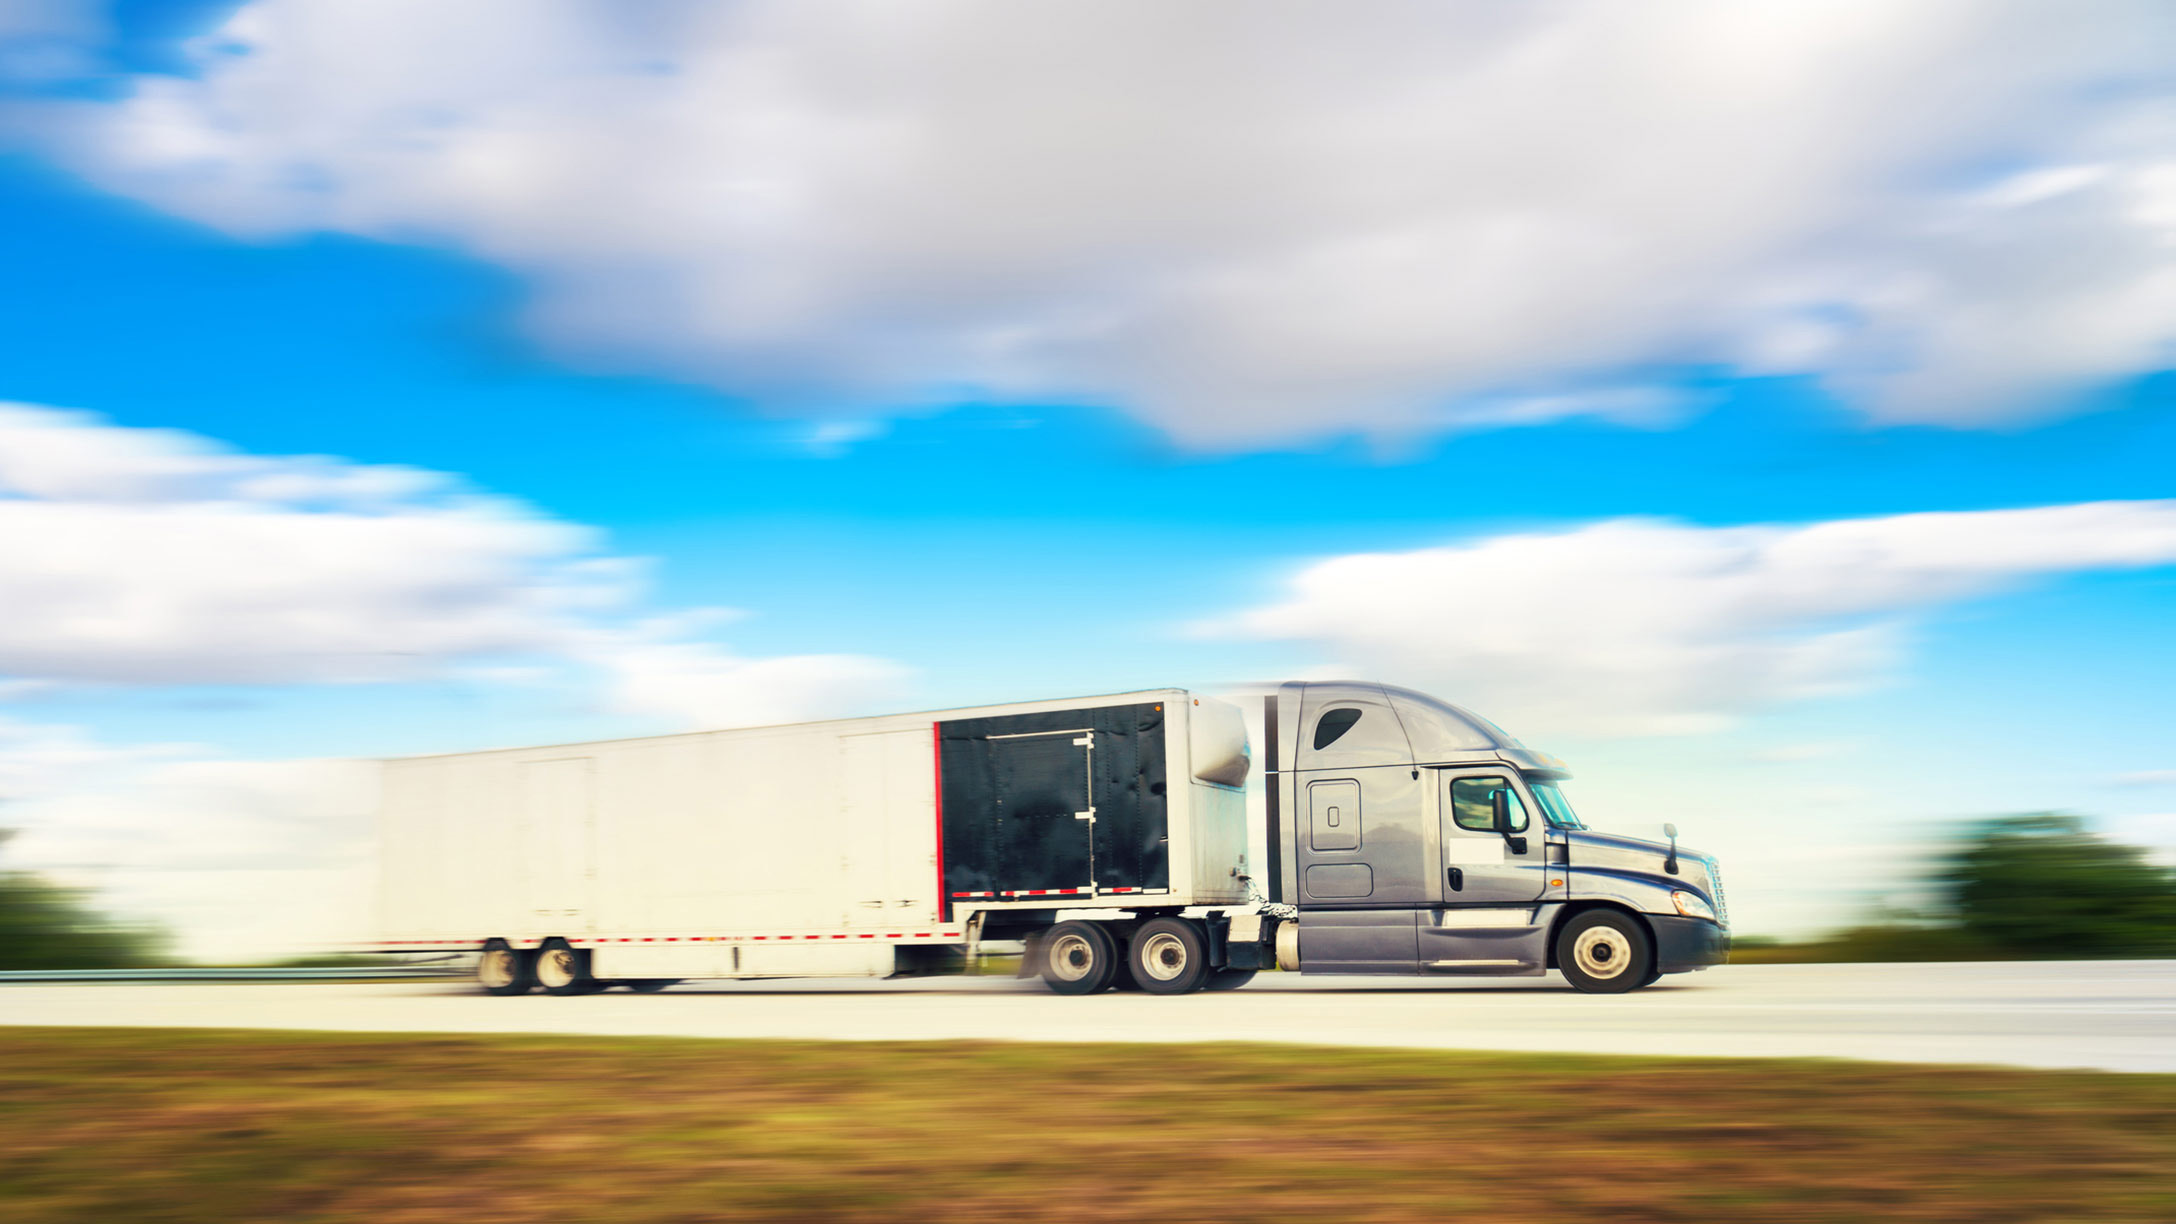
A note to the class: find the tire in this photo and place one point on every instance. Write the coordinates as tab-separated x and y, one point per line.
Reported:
504	970
1605	952
563	970
1079	958
1170	956
1228	979
650	985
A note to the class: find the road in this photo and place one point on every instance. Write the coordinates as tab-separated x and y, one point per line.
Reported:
2111	1015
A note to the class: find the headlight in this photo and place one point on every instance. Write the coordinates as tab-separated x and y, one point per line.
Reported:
1692	906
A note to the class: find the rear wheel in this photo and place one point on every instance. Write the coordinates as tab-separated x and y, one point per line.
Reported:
1228	979
505	970
1170	956
1079	958
1605	952
563	970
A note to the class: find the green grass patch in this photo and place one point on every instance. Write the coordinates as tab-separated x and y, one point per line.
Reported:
180	1125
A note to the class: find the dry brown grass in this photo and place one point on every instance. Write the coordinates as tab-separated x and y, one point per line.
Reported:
165	1125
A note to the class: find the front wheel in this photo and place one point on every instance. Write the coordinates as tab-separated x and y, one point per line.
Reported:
1605	952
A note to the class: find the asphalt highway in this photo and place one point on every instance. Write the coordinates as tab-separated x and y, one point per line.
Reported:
2111	1015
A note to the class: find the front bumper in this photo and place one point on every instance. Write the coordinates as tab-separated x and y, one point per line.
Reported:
1682	944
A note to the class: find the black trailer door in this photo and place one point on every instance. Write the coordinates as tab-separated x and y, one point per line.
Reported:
1059	801
1046	815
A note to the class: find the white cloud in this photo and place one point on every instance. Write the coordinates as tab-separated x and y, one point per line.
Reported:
158	557
1244	224
2147	777
1646	627
2154	831
701	684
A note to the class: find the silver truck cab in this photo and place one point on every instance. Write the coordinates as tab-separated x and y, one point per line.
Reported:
1413	836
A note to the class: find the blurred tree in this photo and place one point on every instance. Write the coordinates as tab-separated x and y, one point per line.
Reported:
46	926
2039	885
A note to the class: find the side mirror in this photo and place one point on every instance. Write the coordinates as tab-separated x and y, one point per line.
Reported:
1500	820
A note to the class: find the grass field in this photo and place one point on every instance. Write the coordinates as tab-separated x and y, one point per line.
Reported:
156	1125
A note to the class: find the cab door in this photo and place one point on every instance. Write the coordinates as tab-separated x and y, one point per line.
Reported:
1487	922
1480	865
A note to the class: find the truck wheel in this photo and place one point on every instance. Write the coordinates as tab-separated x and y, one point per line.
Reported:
562	970
1604	952
1079	958
504	970
1228	979
650	985
1170	956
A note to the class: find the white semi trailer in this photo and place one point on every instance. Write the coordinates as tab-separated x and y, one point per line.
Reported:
1108	835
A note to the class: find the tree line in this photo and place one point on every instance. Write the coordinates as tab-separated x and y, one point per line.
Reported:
2033	886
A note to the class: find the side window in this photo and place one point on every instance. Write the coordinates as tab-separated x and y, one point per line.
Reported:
1473	803
1334	724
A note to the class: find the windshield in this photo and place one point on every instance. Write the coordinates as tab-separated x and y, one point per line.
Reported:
1555	807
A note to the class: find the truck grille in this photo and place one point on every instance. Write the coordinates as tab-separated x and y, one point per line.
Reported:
1715	880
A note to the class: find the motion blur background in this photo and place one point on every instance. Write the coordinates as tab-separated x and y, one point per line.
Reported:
1769	409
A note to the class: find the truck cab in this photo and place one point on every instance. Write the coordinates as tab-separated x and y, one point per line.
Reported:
1410	836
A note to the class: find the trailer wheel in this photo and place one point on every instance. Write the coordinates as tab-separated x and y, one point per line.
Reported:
1228	979
650	985
563	970
1604	952
1079	958
1170	956
504	970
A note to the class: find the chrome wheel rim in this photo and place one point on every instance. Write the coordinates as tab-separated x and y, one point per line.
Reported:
1072	957
556	967
1163	956
1602	952
496	969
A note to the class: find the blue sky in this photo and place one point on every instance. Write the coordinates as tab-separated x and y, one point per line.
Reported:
883	450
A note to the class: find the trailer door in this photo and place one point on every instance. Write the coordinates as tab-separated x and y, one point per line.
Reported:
555	830
1046	816
887	842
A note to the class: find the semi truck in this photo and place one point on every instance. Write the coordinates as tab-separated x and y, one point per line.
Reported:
1106	839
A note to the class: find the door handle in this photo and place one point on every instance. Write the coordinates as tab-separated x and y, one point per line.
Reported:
1456	879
